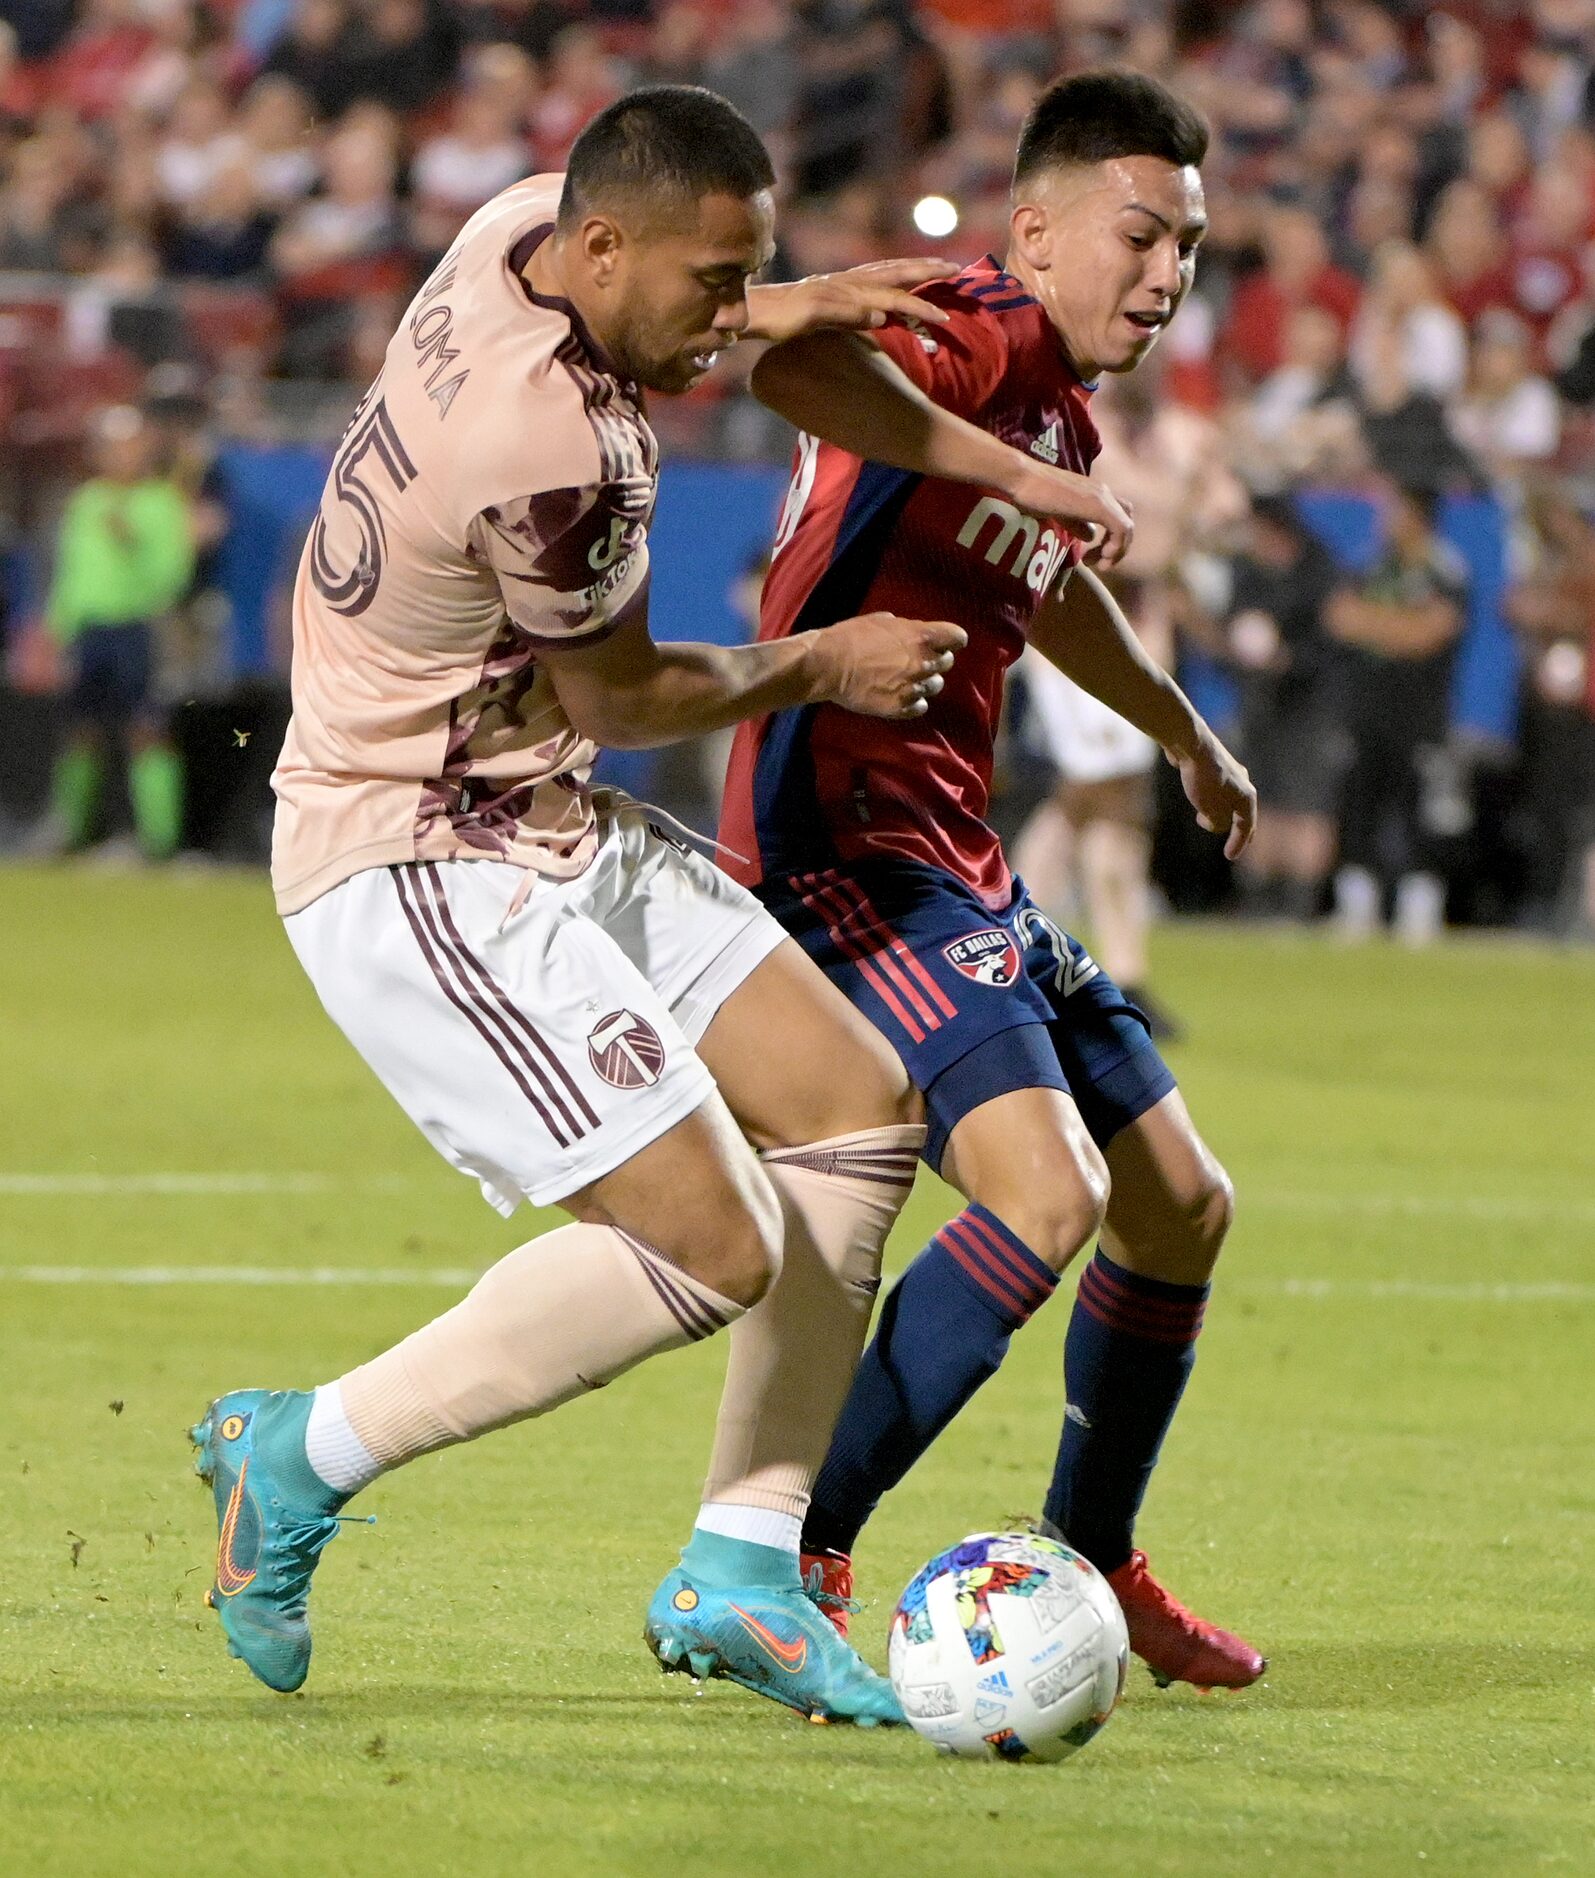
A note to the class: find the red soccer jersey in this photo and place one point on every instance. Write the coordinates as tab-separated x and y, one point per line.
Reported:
820	786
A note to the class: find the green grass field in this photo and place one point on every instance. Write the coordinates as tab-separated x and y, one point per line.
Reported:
1382	1472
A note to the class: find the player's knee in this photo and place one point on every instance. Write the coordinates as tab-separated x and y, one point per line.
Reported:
737	1238
1216	1212
1062	1215
1206	1211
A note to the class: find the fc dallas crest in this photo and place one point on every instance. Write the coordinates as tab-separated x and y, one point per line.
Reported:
625	1051
989	957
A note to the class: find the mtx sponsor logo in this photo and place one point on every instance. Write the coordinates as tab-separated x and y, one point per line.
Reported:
1038	553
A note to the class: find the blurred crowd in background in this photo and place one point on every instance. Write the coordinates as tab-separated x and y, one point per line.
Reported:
1363	458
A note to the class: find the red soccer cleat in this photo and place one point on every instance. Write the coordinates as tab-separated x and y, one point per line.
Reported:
828	1580
1174	1643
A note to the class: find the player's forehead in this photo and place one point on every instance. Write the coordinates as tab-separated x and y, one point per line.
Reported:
1168	194
722	231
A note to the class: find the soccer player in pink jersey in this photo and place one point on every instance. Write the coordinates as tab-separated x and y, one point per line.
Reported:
571	1005
1048	1105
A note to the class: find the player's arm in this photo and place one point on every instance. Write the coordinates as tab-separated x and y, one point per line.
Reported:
572	568
1081	629
843	388
627	692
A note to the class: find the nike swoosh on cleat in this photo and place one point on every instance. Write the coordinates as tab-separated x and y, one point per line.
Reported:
789	1656
230	1579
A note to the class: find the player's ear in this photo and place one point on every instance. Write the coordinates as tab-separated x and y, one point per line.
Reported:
601	240
1031	226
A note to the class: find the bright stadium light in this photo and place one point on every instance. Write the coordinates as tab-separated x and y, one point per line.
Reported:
935	216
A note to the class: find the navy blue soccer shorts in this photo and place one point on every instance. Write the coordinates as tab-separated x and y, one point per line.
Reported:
976	1003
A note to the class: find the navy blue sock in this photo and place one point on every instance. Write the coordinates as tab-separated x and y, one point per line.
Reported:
1130	1348
943	1330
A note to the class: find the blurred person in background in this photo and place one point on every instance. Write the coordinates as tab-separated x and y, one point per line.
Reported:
856	109
42	219
1297	271
91	72
334	249
124	558
400	54
1466	243
580	79
1508	417
1397	625
313	54
278	141
223	233
482	151
1556	221
1408	436
1571	342
200	140
1553	608
1301	422
1270	636
1403	301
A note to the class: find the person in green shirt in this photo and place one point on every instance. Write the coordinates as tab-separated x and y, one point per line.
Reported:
124	558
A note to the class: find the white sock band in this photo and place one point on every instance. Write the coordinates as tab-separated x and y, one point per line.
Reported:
757	1525
333	1448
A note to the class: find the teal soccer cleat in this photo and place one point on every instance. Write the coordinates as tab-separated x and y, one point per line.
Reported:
274	1517
773	1641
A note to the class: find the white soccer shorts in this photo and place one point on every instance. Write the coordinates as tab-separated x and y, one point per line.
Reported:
539	1049
1080	736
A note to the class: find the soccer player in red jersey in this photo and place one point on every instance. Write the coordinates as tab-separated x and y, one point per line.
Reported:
1048	1106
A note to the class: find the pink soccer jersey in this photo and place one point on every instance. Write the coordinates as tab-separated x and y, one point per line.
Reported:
490	498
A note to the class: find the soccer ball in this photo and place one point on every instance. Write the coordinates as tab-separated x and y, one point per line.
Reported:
1008	1645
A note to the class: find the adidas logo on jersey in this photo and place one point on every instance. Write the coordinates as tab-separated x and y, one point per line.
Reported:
1046	445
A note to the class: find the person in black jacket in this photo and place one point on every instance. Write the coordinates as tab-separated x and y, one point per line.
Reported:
1273	640
1397	625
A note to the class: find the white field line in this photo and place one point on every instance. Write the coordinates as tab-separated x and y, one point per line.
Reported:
459	1278
1501	1207
1433	1291
203	1186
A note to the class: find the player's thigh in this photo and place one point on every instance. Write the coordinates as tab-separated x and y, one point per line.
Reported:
1027	1156
796	1063
521	1041
1172	1202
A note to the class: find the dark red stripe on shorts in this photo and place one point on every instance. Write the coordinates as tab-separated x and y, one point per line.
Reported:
469	1004
515	1014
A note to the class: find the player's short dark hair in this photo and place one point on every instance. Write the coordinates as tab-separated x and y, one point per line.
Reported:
1096	116
664	144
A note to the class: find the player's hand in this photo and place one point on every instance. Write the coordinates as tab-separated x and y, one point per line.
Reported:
856	300
1104	522
883	666
1220	791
